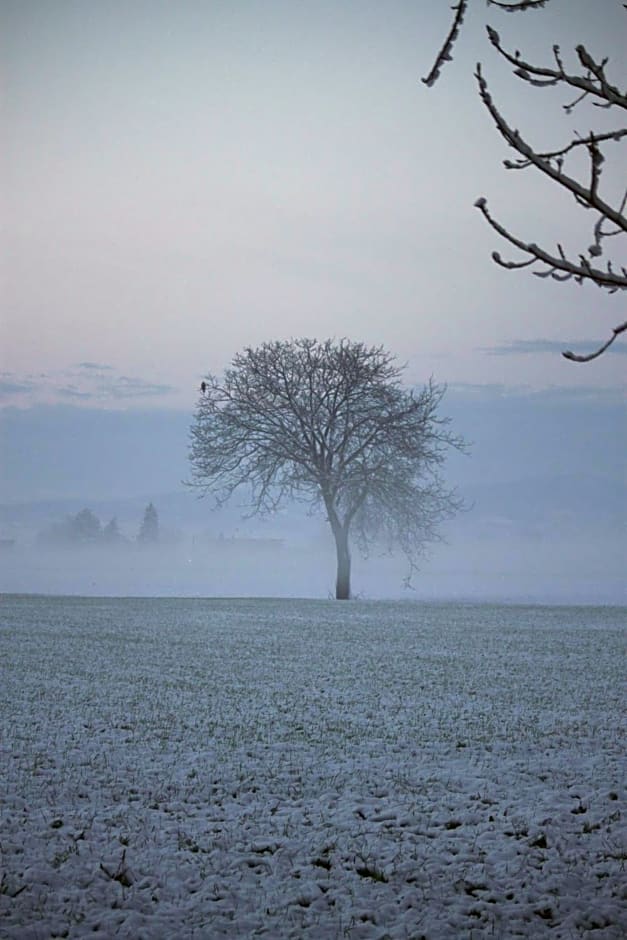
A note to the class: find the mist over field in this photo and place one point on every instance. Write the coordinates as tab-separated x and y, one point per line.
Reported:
544	486
483	558
308	571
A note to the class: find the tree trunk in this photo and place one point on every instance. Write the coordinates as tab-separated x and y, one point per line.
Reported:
343	580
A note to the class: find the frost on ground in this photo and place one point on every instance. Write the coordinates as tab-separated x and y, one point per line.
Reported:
191	768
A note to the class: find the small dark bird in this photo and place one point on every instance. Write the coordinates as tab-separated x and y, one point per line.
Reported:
203	387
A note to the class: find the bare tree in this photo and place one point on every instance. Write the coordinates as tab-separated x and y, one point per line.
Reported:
328	423
589	81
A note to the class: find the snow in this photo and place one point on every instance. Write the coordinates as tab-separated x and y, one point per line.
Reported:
207	768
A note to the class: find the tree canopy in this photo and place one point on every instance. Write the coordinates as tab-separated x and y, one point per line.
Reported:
328	422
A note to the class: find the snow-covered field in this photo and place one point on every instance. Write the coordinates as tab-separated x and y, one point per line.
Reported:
207	768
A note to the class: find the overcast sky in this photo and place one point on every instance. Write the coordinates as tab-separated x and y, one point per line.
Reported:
182	179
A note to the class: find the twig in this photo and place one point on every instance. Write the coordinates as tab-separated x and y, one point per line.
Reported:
582	271
514	139
445	53
519	6
590	356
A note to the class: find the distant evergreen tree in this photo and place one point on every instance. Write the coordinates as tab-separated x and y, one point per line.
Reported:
84	527
149	531
111	533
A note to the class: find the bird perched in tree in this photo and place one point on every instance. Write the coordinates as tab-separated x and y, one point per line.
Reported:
203	387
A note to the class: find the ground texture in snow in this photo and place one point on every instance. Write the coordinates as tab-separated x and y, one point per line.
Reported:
192	768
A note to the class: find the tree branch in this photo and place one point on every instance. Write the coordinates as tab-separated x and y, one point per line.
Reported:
446	52
589	79
582	271
518	6
580	142
588	358
513	138
524	70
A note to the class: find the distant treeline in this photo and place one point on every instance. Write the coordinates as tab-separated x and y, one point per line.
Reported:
85	528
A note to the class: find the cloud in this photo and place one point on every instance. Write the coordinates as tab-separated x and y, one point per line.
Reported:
522	347
10	387
70	391
488	390
128	387
85	382
551	394
583	394
96	366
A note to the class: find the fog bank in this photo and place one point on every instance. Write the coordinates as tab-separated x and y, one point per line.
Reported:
524	569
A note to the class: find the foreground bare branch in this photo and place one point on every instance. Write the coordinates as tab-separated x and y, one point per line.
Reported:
518	6
558	265
594	355
590	80
593	82
446	52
